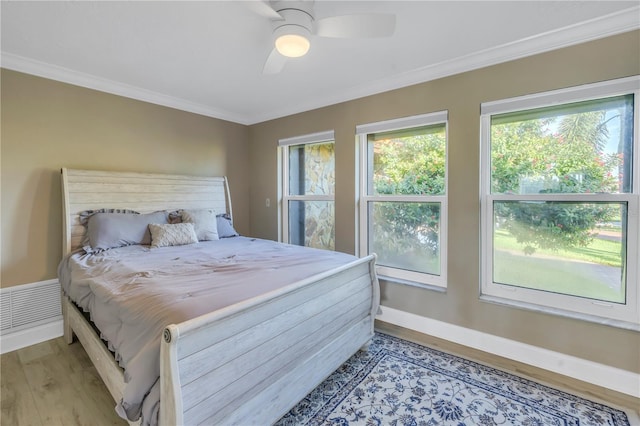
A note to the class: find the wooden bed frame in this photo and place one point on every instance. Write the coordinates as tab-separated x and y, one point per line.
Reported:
245	364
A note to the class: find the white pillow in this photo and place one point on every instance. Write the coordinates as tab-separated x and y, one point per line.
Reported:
204	221
176	234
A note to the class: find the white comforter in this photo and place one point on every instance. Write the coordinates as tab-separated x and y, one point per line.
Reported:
133	292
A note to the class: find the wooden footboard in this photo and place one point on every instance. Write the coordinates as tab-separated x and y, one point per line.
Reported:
252	362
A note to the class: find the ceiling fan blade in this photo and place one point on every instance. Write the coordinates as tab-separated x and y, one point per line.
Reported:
263	8
275	62
356	26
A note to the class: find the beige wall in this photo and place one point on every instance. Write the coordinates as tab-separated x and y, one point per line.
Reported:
47	125
461	95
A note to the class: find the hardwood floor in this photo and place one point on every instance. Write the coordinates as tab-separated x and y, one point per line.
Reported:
53	383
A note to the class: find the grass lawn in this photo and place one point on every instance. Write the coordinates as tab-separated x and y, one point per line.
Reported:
600	251
592	272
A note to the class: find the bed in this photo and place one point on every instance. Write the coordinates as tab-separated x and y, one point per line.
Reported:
247	361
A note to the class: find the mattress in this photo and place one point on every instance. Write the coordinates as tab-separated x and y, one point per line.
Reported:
131	293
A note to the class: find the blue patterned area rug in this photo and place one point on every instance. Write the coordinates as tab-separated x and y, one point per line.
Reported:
401	383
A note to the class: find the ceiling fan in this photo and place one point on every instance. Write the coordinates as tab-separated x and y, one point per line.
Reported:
294	23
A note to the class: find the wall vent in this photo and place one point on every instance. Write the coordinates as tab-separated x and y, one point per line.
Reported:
29	305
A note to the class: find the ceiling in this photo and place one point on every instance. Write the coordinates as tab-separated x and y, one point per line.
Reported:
207	57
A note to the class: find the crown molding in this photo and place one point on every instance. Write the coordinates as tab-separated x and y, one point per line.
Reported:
66	75
597	28
608	25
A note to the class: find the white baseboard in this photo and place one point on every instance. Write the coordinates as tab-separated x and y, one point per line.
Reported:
30	336
587	371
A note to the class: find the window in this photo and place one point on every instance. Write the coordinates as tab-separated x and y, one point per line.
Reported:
308	184
403	201
560	201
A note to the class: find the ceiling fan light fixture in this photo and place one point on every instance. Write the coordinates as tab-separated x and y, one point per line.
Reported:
292	36
292	45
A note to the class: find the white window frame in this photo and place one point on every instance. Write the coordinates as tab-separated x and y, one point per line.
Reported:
624	316
364	198
283	147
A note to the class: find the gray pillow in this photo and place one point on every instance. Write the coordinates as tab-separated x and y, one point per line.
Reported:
223	223
111	230
225	227
84	216
204	222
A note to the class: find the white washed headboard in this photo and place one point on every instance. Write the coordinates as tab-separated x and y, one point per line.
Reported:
144	192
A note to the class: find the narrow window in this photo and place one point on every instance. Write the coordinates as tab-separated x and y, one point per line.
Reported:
308	188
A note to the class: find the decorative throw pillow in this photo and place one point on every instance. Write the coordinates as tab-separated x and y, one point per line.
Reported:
225	227
204	222
111	230
172	234
175	217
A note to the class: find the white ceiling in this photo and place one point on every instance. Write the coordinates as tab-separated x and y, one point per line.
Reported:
207	57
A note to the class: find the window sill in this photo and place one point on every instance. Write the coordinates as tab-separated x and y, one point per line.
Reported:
561	313
395	280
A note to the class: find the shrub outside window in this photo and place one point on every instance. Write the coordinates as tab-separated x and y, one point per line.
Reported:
560	201
308	188
403	202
